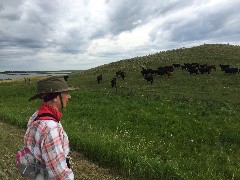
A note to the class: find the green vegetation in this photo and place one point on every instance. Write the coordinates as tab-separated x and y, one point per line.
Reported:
183	127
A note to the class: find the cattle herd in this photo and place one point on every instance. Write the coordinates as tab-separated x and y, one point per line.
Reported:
191	68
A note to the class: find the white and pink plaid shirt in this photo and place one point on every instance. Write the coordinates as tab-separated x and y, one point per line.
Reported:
49	143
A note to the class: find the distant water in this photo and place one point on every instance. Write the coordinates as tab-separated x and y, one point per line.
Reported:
15	76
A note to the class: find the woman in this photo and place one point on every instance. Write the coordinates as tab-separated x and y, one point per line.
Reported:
45	136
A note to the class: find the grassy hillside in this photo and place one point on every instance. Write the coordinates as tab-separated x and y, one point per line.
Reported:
216	86
183	127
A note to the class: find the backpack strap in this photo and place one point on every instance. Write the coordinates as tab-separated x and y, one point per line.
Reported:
45	115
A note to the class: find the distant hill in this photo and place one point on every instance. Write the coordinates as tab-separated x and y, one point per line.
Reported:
181	84
206	53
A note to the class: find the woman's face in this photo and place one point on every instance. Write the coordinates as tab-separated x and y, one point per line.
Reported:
65	96
61	100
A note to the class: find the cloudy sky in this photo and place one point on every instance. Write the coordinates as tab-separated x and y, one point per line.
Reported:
81	34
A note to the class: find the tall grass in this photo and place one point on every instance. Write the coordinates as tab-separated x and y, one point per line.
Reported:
185	127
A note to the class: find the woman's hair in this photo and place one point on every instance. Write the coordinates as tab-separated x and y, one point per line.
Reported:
50	96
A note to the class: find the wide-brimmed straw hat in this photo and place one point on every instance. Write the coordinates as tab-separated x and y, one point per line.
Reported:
52	84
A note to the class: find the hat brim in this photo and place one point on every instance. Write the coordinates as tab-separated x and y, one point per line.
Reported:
40	96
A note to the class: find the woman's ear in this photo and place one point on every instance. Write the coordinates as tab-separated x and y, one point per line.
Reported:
56	99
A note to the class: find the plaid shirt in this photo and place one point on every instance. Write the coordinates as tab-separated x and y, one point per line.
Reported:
49	143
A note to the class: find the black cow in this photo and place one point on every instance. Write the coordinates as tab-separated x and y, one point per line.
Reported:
121	73
202	65
149	78
114	82
66	77
187	66
193	70
147	71
205	69
169	68
99	78
224	66
160	71
231	70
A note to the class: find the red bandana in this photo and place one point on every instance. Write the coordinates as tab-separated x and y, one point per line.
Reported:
48	112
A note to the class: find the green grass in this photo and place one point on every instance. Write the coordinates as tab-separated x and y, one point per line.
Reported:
185	127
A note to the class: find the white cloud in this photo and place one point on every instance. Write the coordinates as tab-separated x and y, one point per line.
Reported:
80	34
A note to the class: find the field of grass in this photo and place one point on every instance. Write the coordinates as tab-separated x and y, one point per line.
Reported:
183	127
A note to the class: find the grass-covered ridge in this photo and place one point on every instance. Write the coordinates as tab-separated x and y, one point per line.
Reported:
183	127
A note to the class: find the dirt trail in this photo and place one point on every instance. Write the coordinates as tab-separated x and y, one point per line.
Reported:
11	139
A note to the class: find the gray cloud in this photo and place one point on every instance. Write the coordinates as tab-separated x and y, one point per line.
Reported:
201	24
86	33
